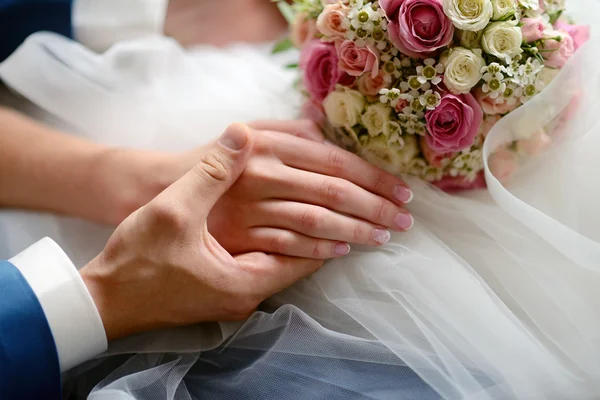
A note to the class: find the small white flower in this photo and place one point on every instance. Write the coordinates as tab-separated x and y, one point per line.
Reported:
389	96
502	39
462	69
469	15
429	72
430	99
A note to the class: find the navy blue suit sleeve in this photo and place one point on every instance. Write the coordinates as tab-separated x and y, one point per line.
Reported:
21	18
29	365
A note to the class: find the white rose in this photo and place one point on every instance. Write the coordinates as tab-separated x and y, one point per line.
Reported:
343	107
469	15
503	9
376	118
470	39
462	69
392	154
502	39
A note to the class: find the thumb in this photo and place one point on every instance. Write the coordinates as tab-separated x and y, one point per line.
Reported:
220	166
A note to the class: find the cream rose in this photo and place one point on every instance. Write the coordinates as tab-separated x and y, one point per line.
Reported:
376	118
344	107
469	15
462	69
503	9
330	21
502	39
391	154
470	39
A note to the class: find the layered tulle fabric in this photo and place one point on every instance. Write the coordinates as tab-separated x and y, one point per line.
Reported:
492	295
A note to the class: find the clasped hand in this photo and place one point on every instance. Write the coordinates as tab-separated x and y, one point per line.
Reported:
256	211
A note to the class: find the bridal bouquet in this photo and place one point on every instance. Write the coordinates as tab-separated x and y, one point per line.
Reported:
414	86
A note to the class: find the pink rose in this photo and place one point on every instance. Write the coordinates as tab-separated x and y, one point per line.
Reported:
371	86
488	123
454	124
558	50
356	60
452	184
579	33
503	164
303	30
417	27
533	29
490	106
537	143
434	158
330	21
319	62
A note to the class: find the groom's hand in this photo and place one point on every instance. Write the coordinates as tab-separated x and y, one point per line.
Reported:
163	268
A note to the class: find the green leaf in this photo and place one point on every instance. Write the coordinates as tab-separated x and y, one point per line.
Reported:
555	16
287	11
292	66
282	46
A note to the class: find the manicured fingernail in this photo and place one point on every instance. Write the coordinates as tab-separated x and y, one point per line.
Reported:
341	249
381	236
403	194
404	221
328	142
235	137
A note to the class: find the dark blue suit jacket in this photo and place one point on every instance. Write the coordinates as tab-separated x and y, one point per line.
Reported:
29	365
21	18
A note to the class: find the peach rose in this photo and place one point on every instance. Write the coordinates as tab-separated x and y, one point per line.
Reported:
488	123
302	30
490	106
371	86
434	158
535	144
355	60
503	164
330	21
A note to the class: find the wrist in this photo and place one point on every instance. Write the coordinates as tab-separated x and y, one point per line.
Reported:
124	180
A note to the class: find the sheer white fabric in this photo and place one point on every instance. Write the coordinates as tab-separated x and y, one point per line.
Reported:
492	295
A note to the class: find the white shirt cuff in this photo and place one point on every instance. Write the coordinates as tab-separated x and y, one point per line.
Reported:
70	310
99	24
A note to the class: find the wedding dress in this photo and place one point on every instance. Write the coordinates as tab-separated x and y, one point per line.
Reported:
492	295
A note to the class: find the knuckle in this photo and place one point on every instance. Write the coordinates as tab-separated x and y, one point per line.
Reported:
213	165
337	160
380	212
380	181
167	216
359	233
279	244
317	251
312	219
334	192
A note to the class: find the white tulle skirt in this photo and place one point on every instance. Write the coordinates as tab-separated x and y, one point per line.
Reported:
492	295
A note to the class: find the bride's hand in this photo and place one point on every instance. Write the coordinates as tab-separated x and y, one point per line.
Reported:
304	198
219	22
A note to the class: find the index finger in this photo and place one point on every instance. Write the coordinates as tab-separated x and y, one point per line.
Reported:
329	160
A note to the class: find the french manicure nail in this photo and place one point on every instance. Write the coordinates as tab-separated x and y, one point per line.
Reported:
341	249
328	143
381	236
403	194
404	221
